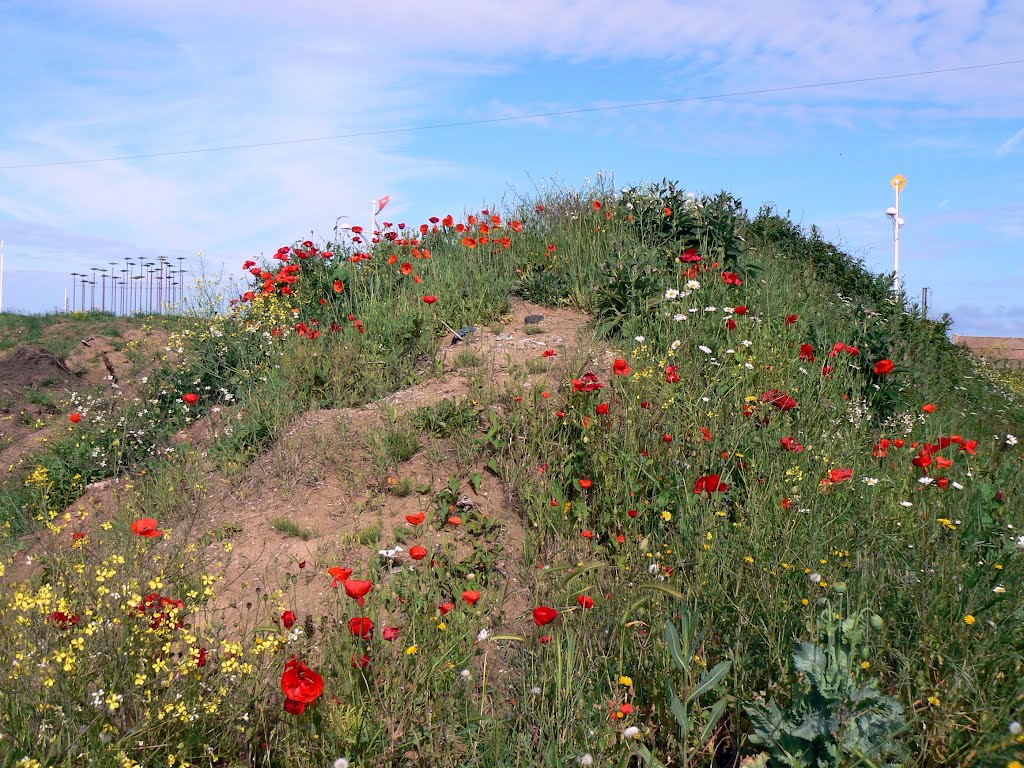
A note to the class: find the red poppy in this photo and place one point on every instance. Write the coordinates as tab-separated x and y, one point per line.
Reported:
602	409
710	484
361	626
632	513
597	205
471	596
429	299
690	256
730	324
741	310
391	633
445	608
63	620
791	445
667	438
779	399
792	319
417	518
358	590
837	476
288	619
589	382
621	368
807	353
301	686
417	552
339	286
884	367
75	418
191	398
731	278
585	483
787	503
147	528
360	662
670	374
706	433
585	601
928	407
550	353
543	615
454	520
340	574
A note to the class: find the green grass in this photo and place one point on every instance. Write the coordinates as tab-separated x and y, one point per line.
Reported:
603	489
289	527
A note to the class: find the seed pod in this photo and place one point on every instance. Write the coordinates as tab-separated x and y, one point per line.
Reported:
876	622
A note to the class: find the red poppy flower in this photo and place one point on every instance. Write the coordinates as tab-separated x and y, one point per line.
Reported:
445	608
597	205
146	527
358	590
585	601
429	299
741	310
670	374
807	353
690	256
392	633
792	319
602	409
360	662
585	483
288	619
63	620
301	685
884	367
454	520
361	626
75	418
340	574
730	324
471	596
706	433
632	513
779	399
791	445
667	438
837	476
417	518
544	615
550	353
731	278
417	552
710	484
339	286
191	398
621	368
928	407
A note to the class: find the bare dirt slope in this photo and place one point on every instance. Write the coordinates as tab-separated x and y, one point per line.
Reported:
326	478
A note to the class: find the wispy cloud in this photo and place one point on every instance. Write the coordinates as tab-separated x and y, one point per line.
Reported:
1010	144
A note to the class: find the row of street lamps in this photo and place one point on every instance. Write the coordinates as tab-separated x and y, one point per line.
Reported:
128	287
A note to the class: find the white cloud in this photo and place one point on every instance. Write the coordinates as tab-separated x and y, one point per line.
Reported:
1010	144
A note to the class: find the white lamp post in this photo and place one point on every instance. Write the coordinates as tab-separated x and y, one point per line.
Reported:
897	182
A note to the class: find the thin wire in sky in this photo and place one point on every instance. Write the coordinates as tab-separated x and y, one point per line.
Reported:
492	120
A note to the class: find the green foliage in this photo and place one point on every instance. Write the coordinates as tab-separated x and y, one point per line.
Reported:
447	418
696	716
834	716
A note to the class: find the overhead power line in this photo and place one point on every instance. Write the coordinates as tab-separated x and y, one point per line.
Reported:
534	116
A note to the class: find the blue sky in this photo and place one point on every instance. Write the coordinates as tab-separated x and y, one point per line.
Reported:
100	78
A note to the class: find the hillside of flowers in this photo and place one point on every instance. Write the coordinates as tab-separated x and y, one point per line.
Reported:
758	512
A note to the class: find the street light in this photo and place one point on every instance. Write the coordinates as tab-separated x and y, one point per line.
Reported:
897	182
